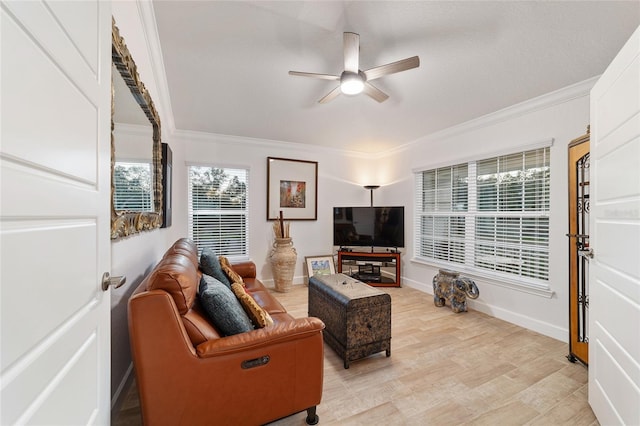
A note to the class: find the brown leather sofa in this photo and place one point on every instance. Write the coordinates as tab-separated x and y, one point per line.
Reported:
188	374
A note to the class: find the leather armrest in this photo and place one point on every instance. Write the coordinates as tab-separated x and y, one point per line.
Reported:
245	269
288	331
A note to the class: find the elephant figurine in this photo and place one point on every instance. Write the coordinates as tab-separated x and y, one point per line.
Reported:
448	285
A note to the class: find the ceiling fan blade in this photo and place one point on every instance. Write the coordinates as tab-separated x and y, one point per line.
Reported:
330	96
314	75
351	52
394	67
375	93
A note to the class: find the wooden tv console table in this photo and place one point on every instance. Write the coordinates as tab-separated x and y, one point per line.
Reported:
367	267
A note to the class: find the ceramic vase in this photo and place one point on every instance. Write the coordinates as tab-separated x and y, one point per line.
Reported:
283	263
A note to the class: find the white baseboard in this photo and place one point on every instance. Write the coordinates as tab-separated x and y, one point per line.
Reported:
116	400
512	317
270	282
529	323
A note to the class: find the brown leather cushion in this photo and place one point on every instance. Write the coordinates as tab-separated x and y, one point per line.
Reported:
267	301
198	326
176	275
246	269
259	316
186	247
281	317
253	284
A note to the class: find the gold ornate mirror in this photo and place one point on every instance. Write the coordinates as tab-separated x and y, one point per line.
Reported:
136	153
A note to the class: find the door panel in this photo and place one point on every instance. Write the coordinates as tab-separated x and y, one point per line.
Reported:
68	32
620	318
47	282
58	407
615	106
614	350
31	383
579	211
79	22
55	208
32	76
617	162
616	256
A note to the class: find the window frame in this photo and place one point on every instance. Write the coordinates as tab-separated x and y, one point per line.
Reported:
467	266
244	247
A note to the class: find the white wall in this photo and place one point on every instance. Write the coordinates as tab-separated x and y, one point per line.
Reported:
134	256
341	177
561	116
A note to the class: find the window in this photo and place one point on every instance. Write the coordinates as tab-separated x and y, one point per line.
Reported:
132	186
487	216
219	210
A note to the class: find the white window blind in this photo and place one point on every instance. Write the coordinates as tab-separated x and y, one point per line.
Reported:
219	210
443	200
132	186
488	215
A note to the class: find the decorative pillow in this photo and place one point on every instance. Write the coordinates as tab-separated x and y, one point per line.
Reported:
259	316
210	265
226	267
222	307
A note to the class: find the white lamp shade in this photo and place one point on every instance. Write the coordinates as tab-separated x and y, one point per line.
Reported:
351	83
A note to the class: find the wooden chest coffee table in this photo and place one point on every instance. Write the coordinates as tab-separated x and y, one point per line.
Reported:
357	317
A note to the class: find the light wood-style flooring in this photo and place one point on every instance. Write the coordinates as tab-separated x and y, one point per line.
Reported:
444	369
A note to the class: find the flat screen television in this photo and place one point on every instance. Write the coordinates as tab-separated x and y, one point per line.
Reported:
368	226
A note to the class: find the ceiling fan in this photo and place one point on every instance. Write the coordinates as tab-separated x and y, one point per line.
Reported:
353	80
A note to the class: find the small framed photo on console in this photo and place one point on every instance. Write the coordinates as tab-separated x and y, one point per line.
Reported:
320	265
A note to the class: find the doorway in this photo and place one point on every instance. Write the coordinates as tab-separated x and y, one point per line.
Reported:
579	250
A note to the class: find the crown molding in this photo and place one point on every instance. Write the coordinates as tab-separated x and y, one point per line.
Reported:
195	136
150	31
566	94
147	15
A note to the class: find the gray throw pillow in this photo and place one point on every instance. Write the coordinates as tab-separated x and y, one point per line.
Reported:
222	307
210	265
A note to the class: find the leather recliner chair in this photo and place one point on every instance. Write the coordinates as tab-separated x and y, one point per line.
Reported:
187	373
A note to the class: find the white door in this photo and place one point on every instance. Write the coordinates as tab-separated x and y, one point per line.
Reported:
54	212
614	344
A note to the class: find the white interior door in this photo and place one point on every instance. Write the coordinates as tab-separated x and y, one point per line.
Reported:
54	218
614	345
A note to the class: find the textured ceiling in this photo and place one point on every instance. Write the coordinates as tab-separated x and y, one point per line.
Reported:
227	63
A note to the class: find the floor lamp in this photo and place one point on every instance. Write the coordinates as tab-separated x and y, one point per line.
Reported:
371	188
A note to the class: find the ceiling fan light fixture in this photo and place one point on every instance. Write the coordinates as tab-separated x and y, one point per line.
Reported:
351	83
353	80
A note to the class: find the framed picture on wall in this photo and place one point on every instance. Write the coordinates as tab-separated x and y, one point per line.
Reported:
292	188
